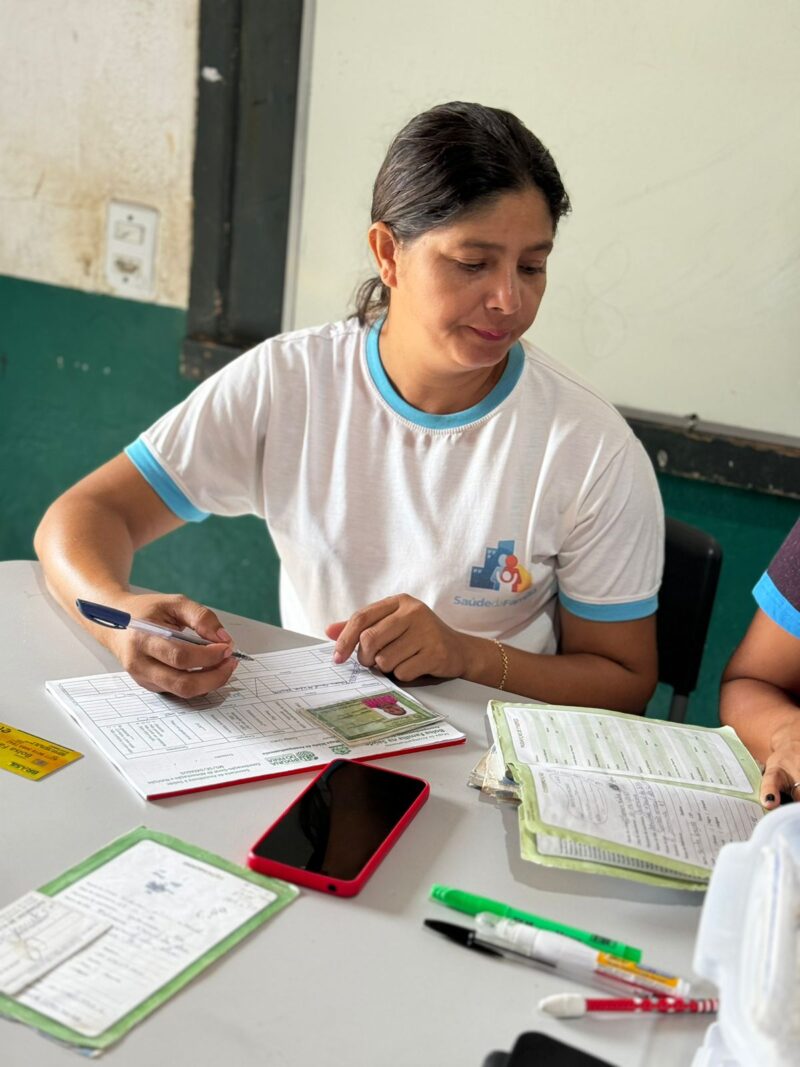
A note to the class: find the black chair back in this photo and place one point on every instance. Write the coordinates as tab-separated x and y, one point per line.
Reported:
692	563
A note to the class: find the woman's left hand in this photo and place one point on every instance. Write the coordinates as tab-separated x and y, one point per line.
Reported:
782	770
401	635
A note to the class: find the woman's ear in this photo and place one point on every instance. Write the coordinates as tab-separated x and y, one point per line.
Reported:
384	248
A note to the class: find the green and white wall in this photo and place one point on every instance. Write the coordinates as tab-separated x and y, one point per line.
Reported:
98	103
103	98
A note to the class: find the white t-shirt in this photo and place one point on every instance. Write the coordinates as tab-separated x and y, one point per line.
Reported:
540	492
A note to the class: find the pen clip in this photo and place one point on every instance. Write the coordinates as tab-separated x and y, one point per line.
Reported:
99	613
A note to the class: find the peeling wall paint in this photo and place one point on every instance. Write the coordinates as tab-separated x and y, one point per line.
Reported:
103	108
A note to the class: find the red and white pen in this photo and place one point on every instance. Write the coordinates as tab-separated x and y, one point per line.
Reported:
573	1005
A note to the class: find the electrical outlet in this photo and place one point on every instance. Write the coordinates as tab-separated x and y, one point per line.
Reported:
131	249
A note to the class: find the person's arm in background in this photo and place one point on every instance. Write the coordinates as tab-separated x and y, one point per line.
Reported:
760	699
760	696
87	541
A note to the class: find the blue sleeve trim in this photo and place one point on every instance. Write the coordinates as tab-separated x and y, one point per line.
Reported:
637	609
157	478
503	388
773	603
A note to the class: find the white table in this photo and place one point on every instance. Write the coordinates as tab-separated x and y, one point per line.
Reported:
328	981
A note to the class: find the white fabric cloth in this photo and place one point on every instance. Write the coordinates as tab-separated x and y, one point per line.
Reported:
365	496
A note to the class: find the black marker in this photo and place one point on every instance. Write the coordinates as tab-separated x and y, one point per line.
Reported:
462	935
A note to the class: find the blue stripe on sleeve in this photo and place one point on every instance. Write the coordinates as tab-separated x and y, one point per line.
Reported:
510	377
636	609
157	478
773	603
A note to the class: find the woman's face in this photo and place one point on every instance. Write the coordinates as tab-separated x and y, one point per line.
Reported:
469	290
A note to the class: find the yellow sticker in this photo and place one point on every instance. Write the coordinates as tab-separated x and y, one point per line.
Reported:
31	756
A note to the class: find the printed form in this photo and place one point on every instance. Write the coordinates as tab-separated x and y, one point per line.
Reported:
688	825
254	727
626	745
572	849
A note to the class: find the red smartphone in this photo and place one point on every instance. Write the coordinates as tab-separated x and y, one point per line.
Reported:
334	835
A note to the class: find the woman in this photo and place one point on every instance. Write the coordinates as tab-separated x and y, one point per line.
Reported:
444	499
760	695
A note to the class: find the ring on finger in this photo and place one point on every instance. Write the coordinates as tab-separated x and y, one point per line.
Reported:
792	789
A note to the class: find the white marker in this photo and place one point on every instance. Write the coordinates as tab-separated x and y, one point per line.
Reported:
565	956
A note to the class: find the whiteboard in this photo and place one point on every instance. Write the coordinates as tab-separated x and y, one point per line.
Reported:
675	283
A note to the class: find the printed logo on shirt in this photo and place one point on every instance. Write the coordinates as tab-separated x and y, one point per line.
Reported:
501	571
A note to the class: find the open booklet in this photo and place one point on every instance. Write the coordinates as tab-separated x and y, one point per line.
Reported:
616	794
281	712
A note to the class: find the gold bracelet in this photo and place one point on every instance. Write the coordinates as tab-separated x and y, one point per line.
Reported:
505	664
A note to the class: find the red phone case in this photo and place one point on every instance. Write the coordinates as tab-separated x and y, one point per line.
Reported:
338	886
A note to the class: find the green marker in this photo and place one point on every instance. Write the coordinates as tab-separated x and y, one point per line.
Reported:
472	905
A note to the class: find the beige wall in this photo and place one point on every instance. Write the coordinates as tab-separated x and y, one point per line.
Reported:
98	103
675	285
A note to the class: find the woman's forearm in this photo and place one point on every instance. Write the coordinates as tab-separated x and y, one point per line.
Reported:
87	546
85	549
88	538
580	678
760	693
759	712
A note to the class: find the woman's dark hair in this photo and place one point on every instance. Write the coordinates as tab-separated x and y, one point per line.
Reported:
447	162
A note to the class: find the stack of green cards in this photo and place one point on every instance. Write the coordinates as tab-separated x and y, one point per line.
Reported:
371	717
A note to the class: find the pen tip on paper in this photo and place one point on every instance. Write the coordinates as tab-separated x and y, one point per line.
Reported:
564	1005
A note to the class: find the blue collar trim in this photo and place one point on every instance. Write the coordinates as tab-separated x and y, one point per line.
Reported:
510	377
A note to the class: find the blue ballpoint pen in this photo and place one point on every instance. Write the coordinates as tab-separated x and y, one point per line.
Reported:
121	620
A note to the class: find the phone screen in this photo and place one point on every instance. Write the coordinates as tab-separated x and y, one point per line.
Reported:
341	820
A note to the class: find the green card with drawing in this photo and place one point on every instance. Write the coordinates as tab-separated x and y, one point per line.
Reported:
373	716
93	952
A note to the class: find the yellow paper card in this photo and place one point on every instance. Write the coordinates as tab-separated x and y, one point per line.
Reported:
31	756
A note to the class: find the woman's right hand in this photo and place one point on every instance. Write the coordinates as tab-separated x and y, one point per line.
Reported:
87	541
162	665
